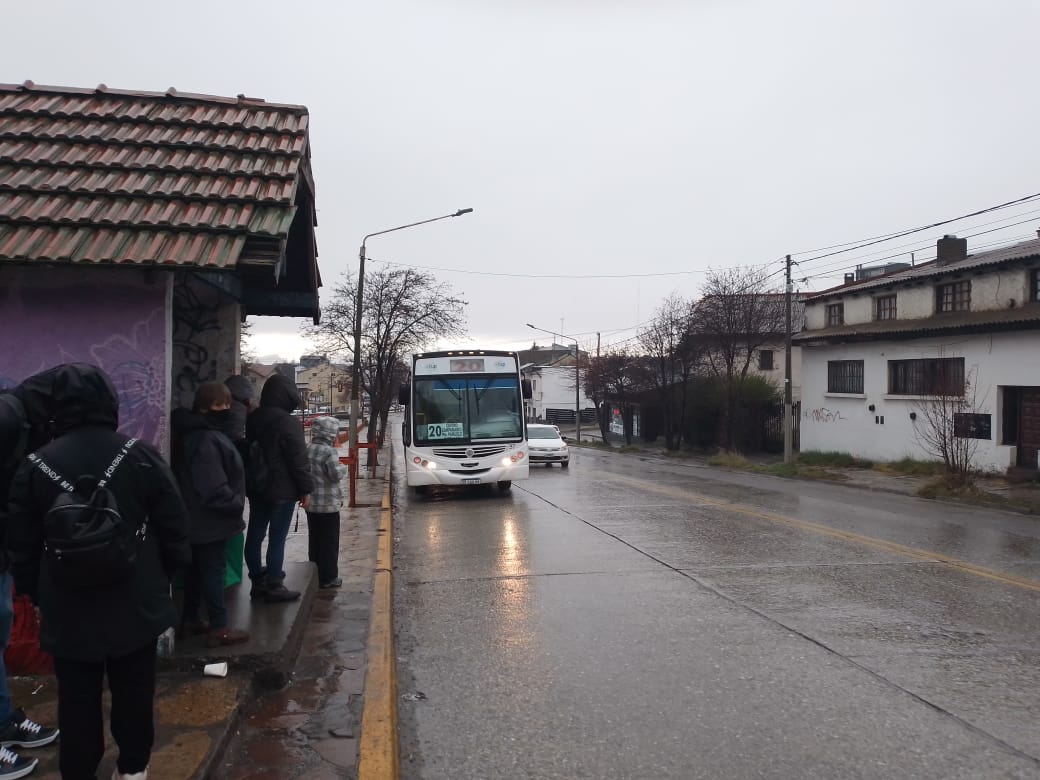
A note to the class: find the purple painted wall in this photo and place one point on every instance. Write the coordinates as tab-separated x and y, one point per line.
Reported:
110	318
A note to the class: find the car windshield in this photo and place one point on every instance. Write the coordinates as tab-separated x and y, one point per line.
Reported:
455	409
541	433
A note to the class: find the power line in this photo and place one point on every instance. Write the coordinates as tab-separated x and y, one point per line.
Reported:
536	276
898	234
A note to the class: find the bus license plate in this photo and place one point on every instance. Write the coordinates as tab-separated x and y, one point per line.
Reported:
471	480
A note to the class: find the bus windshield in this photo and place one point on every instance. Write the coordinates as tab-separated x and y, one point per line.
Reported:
466	409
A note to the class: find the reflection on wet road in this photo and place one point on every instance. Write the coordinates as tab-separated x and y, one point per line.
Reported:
642	618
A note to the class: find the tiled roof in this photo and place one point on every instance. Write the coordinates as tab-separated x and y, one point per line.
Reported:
1025	317
1020	251
109	176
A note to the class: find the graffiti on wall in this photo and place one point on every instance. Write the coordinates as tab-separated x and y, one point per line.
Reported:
196	327
823	415
122	332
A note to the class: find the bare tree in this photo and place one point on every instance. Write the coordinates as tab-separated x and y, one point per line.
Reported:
405	311
671	357
738	315
613	378
944	425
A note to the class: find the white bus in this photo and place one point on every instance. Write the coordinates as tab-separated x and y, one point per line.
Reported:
464	421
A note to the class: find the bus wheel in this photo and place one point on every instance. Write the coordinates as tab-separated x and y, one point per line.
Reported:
565	464
504	486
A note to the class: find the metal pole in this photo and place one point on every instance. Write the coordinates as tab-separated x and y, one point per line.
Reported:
355	384
577	394
355	373
788	406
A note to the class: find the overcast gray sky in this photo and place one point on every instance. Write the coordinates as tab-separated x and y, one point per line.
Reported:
597	138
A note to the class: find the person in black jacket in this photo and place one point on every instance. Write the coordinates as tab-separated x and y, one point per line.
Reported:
108	630
271	509
212	479
16	728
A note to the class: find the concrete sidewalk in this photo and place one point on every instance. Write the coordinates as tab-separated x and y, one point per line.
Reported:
198	717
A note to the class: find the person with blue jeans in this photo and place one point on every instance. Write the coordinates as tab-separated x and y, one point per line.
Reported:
287	483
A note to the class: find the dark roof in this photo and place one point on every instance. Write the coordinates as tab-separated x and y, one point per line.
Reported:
1025	317
1022	251
158	178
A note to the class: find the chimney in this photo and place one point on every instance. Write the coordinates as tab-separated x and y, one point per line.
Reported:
850	278
950	249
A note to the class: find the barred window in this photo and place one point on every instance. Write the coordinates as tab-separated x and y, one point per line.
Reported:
955	296
1034	286
932	376
844	376
885	307
765	360
835	313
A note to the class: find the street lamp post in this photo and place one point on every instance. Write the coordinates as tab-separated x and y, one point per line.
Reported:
577	379
355	382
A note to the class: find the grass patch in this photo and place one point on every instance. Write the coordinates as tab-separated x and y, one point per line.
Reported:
912	467
730	460
839	460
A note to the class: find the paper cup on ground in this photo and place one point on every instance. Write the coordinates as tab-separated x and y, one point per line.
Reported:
215	670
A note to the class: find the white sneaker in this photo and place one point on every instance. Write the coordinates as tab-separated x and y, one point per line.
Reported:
142	775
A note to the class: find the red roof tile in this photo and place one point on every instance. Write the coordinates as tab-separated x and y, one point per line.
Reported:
110	176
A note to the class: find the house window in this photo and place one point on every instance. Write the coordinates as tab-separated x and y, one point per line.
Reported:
885	307
835	313
933	376
845	376
765	360
955	296
1034	285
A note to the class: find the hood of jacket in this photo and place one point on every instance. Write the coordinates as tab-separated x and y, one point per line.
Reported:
82	395
281	393
240	387
324	430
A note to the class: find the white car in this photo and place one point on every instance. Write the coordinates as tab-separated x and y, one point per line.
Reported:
545	445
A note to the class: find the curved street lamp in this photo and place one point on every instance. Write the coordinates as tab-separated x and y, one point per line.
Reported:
356	370
577	378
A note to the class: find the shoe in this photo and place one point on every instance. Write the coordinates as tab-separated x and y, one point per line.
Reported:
259	590
192	628
333	583
23	732
277	593
219	637
142	775
14	765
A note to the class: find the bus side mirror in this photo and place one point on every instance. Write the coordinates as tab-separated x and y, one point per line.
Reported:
404	395
525	388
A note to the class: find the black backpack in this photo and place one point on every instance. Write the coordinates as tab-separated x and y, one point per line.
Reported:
258	470
87	541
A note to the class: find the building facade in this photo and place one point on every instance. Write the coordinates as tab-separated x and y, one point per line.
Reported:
962	333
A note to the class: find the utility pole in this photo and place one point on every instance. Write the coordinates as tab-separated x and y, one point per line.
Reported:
788	405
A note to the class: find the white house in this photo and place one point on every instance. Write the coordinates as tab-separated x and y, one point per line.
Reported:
875	349
552	395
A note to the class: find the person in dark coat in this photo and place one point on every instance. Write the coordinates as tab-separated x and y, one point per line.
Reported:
271	509
212	479
242	403
16	728
109	630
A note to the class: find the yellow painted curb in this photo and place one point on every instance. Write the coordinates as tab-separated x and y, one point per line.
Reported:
379	718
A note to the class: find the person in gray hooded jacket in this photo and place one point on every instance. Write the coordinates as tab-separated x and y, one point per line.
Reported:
326	500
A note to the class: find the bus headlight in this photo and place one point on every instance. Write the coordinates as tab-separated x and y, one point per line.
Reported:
513	459
429	464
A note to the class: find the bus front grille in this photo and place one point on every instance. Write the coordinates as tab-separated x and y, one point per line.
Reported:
467	453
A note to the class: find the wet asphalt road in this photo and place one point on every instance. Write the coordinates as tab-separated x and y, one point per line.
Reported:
642	618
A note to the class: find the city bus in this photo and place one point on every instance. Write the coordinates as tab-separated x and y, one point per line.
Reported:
464	419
